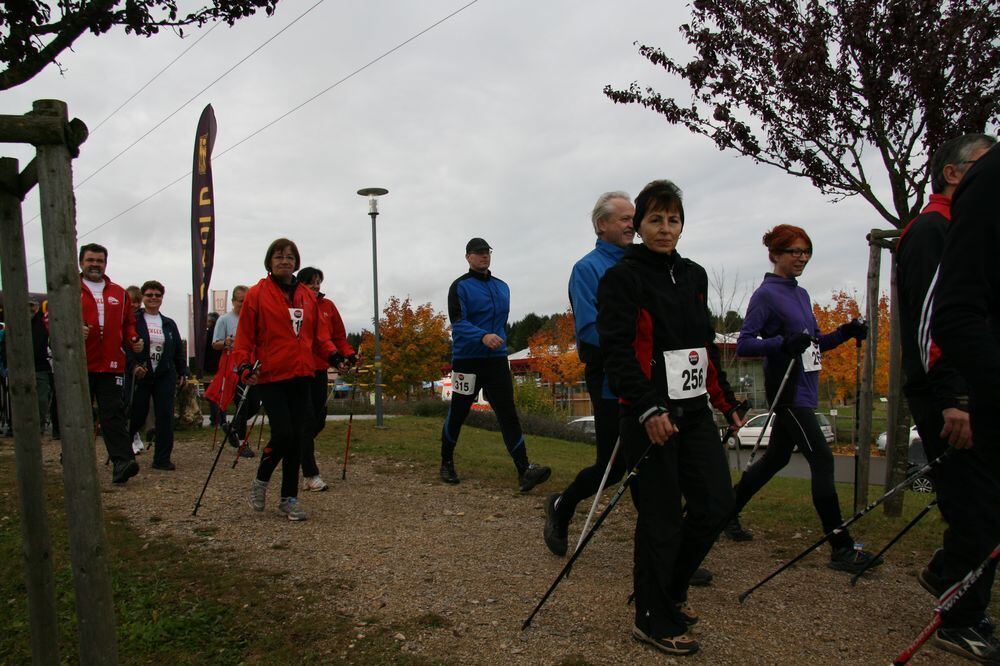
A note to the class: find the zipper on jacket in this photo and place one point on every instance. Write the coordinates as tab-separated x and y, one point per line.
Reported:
671	270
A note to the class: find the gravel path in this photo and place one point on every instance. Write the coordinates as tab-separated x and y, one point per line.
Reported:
452	571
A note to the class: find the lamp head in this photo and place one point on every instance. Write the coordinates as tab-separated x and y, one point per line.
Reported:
373	193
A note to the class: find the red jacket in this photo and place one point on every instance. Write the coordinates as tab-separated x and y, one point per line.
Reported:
266	332
338	334
105	348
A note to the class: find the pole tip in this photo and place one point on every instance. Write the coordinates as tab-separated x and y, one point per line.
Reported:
743	596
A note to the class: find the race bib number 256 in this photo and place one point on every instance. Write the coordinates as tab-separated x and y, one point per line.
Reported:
686	371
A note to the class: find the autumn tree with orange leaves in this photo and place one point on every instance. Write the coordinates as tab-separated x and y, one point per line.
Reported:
415	345
553	351
839	376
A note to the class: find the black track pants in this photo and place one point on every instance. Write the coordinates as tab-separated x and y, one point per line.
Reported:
968	493
797	428
289	412
670	544
493	377
318	393
606	423
161	389
106	389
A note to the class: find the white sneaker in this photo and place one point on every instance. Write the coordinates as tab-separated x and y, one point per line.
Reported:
314	483
137	445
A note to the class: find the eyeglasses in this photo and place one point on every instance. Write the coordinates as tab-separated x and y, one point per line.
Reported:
798	252
152	295
283	257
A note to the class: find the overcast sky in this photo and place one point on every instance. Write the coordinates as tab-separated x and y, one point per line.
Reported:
492	124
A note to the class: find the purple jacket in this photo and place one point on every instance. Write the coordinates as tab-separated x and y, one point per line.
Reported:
780	307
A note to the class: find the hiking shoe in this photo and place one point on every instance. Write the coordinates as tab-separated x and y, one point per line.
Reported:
290	507
231	436
688	613
554	531
447	472
851	560
247	452
970	643
682	645
737	532
701	578
532	476
137	445
123	470
931	582
314	483
165	466
258	489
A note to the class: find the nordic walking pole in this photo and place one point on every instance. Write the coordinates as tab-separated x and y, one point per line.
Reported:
246	440
586	539
840	528
350	418
597	495
770	411
218	455
857	405
946	603
870	563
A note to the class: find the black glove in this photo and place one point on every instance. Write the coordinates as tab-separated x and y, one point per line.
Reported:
856	329
351	360
740	409
796	343
244	372
334	359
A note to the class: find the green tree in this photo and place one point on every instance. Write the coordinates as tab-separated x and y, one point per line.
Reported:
519	332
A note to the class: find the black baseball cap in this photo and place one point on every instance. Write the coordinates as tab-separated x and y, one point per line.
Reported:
476	245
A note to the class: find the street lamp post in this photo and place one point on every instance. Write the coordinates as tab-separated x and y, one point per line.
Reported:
373	193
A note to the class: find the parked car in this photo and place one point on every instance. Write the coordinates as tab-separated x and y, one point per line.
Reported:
880	443
585	424
748	434
917	458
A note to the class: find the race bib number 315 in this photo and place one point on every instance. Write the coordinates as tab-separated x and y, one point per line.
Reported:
686	371
463	383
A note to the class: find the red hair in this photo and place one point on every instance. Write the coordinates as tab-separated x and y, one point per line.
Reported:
782	236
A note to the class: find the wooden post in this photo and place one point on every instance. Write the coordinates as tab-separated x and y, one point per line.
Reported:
862	450
36	548
87	539
897	430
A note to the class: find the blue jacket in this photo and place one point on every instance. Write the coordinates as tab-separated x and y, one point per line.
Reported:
478	304
171	360
779	308
583	281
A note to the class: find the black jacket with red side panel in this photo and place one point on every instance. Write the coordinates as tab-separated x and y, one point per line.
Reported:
648	304
918	255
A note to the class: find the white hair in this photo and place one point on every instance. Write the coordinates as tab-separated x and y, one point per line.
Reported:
603	207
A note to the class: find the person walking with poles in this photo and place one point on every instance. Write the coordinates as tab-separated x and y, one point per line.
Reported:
329	317
478	306
108	328
661	360
781	327
281	329
964	317
159	369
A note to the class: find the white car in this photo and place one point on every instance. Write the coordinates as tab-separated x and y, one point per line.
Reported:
586	425
748	434
880	443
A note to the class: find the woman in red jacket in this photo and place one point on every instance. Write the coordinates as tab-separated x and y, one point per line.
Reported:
330	318
280	327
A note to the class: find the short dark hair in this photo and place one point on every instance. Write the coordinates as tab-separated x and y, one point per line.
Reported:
659	194
955	151
307	274
281	244
152	284
93	247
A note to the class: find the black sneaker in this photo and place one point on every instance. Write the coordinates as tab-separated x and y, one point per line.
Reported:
701	578
532	476
682	645
231	436
933	583
986	625
447	472
247	452
554	531
737	532
851	560
123	471
166	467
970	643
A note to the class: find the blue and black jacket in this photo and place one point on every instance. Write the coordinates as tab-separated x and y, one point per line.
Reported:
583	281
478	304
172	360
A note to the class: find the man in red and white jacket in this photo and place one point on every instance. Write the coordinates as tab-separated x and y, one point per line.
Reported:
108	325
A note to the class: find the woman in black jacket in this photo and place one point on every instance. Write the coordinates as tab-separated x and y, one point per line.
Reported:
158	370
660	357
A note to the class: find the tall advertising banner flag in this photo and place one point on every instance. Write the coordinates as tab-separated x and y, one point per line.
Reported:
202	231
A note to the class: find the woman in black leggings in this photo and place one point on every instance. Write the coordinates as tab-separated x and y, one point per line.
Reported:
780	326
